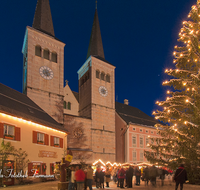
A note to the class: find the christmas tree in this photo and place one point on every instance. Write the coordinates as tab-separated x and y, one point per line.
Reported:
179	116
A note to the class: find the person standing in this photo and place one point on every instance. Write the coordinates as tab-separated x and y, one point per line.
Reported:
80	177
107	174
97	177
121	177
89	177
180	177
146	175
153	173
137	175
72	178
102	174
129	177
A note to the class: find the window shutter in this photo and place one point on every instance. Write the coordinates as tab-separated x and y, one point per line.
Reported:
17	134
1	130
43	168
61	142
46	139
34	137
52	141
30	167
51	168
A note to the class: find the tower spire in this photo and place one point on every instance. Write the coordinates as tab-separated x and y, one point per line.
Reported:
43	20
96	45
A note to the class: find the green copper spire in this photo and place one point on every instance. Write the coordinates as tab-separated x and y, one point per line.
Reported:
42	19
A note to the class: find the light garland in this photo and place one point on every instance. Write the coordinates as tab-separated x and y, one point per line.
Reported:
30	123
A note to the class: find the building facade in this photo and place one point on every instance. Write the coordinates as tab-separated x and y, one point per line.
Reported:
98	126
29	128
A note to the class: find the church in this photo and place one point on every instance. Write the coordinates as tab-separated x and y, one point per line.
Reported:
98	127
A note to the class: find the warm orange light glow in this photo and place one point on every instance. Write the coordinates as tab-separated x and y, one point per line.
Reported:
30	123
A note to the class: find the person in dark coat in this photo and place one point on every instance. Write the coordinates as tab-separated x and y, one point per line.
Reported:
153	173
146	175
129	177
102	174
97	177
137	175
180	177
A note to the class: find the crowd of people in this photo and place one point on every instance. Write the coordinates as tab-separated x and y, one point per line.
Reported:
122	176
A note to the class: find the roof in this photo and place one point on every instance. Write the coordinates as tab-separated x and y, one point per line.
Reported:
95	45
19	105
43	20
76	94
102	59
133	115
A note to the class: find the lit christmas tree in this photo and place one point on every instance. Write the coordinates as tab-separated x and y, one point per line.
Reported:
179	130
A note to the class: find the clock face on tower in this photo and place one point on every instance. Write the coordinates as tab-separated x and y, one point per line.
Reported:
46	72
103	91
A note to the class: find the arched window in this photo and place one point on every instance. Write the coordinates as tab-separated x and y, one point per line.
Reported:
65	105
54	57
38	50
97	74
46	54
107	78
102	76
69	105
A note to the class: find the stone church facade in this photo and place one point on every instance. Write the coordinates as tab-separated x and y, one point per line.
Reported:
89	115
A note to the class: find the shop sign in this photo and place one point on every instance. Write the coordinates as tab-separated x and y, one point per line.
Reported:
49	154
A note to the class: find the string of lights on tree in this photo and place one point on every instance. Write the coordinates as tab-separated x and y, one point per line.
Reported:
179	116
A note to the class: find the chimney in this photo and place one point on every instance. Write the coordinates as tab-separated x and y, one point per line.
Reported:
126	101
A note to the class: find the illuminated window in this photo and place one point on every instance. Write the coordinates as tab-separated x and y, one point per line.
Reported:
9	130
141	156
46	54
102	76
38	50
134	140
107	78
141	142
147	141
54	57
97	74
56	141
40	138
134	156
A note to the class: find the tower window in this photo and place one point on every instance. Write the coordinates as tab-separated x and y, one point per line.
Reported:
97	74
54	57
102	76
46	54
38	50
107	78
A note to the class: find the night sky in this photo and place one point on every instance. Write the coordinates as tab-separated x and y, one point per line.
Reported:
138	38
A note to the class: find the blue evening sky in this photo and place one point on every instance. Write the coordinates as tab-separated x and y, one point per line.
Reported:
138	38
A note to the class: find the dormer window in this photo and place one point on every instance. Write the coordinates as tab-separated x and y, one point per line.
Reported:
46	54
54	57
102	76
38	51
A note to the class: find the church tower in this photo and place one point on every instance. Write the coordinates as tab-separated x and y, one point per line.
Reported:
43	65
97	96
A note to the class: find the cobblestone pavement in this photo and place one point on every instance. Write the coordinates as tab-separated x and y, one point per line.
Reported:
53	185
